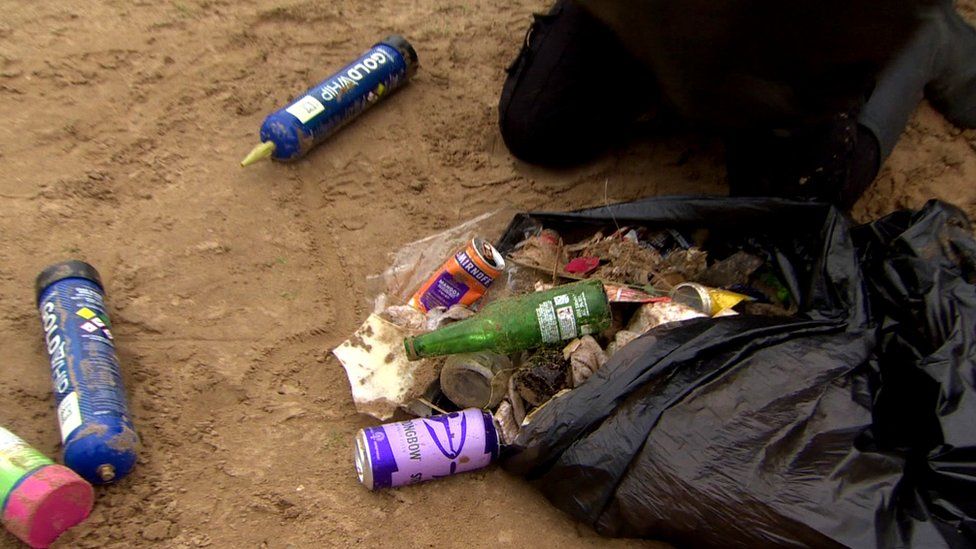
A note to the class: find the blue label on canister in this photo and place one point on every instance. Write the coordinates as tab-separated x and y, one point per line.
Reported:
325	108
96	428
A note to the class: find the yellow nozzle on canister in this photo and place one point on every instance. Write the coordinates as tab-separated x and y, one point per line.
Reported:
260	152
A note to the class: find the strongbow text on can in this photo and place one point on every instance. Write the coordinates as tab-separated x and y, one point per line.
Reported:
421	449
462	279
39	499
96	427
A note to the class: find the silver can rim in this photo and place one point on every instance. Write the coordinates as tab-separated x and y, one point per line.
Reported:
686	292
362	460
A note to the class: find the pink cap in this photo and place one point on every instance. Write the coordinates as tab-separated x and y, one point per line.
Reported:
47	503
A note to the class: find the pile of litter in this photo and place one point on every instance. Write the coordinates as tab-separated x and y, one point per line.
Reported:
652	277
764	374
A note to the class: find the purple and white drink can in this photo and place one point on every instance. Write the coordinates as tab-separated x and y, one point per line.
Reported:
420	449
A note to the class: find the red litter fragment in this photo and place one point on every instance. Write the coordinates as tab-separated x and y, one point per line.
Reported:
582	265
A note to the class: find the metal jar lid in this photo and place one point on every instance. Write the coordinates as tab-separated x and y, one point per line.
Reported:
469	380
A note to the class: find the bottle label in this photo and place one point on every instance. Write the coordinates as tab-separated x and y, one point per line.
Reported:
563	317
567	322
548	326
582	307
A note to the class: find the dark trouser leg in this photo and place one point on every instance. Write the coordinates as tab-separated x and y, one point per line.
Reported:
572	91
940	59
952	89
839	161
866	162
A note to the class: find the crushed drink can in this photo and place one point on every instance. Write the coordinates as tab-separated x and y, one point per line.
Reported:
710	301
462	279
421	449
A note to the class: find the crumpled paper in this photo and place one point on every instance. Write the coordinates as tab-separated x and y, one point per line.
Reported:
585	356
381	377
652	315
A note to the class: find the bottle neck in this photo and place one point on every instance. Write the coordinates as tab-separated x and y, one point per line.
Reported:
461	337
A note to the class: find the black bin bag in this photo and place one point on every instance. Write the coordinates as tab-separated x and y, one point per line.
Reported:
851	423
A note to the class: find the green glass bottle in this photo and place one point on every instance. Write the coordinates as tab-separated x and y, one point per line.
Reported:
521	323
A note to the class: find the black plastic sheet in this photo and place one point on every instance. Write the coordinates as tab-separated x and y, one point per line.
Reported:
851	423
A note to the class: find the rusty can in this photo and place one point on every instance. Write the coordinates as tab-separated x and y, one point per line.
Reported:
462	279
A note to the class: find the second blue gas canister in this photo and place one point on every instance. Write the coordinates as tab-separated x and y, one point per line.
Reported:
99	439
291	132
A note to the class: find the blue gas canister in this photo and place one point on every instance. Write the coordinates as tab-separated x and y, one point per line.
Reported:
291	132
96	426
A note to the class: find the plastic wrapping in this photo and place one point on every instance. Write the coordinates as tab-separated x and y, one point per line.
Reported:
413	263
848	423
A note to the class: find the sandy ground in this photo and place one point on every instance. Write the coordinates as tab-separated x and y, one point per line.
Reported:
124	121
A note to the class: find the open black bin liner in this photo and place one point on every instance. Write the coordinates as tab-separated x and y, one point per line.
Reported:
852	423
